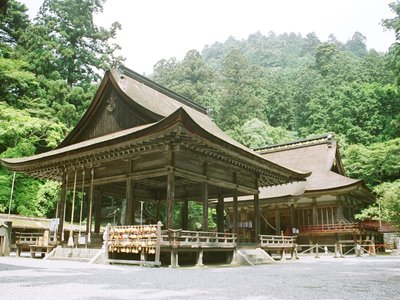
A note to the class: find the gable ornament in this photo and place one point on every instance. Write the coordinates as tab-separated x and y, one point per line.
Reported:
112	103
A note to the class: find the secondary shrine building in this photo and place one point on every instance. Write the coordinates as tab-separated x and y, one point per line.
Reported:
142	143
320	209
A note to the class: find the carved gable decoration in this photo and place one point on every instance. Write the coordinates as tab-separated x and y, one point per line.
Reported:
112	103
113	115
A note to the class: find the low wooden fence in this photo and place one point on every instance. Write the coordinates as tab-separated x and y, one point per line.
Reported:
197	239
340	249
279	243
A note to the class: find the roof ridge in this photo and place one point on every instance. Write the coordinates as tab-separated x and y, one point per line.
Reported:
154	85
320	139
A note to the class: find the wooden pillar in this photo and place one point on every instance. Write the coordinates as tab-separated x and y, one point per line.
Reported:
292	218
235	214
71	238
158	212
220	214
63	203
199	260
256	218
130	209
185	213
170	199
277	221
339	209
90	206
205	206
314	212
158	207
97	213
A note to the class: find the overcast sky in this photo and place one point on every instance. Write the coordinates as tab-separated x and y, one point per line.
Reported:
156	29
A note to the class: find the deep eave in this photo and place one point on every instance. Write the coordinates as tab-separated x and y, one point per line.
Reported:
61	157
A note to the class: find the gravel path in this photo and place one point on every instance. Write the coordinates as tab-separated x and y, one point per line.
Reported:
307	278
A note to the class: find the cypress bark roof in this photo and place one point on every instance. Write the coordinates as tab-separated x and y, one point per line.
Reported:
320	155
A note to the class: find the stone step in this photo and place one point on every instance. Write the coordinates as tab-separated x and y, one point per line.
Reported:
73	254
255	256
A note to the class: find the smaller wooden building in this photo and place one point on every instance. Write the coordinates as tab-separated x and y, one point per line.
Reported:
318	210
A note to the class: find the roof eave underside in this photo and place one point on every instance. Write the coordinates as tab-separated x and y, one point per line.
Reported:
151	131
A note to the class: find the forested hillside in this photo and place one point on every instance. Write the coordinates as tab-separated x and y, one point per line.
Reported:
277	88
262	90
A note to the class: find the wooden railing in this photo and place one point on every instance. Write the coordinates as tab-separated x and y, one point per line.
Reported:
277	241
349	227
25	240
197	239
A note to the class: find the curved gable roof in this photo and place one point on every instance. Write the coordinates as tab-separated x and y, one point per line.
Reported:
319	155
138	92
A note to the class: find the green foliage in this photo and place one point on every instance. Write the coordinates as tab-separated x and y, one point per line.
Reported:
389	199
65	41
394	24
357	45
30	197
16	83
371	213
240	98
12	24
376	163
22	135
255	133
191	78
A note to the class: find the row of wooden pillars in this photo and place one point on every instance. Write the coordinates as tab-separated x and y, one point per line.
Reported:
95	199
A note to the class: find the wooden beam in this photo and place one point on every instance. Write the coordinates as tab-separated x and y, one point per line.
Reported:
214	181
133	176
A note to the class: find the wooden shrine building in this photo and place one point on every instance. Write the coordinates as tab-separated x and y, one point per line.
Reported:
318	210
142	142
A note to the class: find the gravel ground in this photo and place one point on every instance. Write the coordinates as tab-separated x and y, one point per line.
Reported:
307	278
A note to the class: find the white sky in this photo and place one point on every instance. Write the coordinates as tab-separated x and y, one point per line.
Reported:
156	29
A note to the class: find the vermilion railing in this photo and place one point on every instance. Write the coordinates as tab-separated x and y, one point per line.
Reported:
349	227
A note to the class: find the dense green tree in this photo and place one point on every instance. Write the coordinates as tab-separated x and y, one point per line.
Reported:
389	200
240	99
13	22
255	133
357	44
65	40
376	163
394	24
24	135
191	77
16	82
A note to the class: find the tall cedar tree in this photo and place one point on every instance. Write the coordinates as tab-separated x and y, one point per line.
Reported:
64	42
